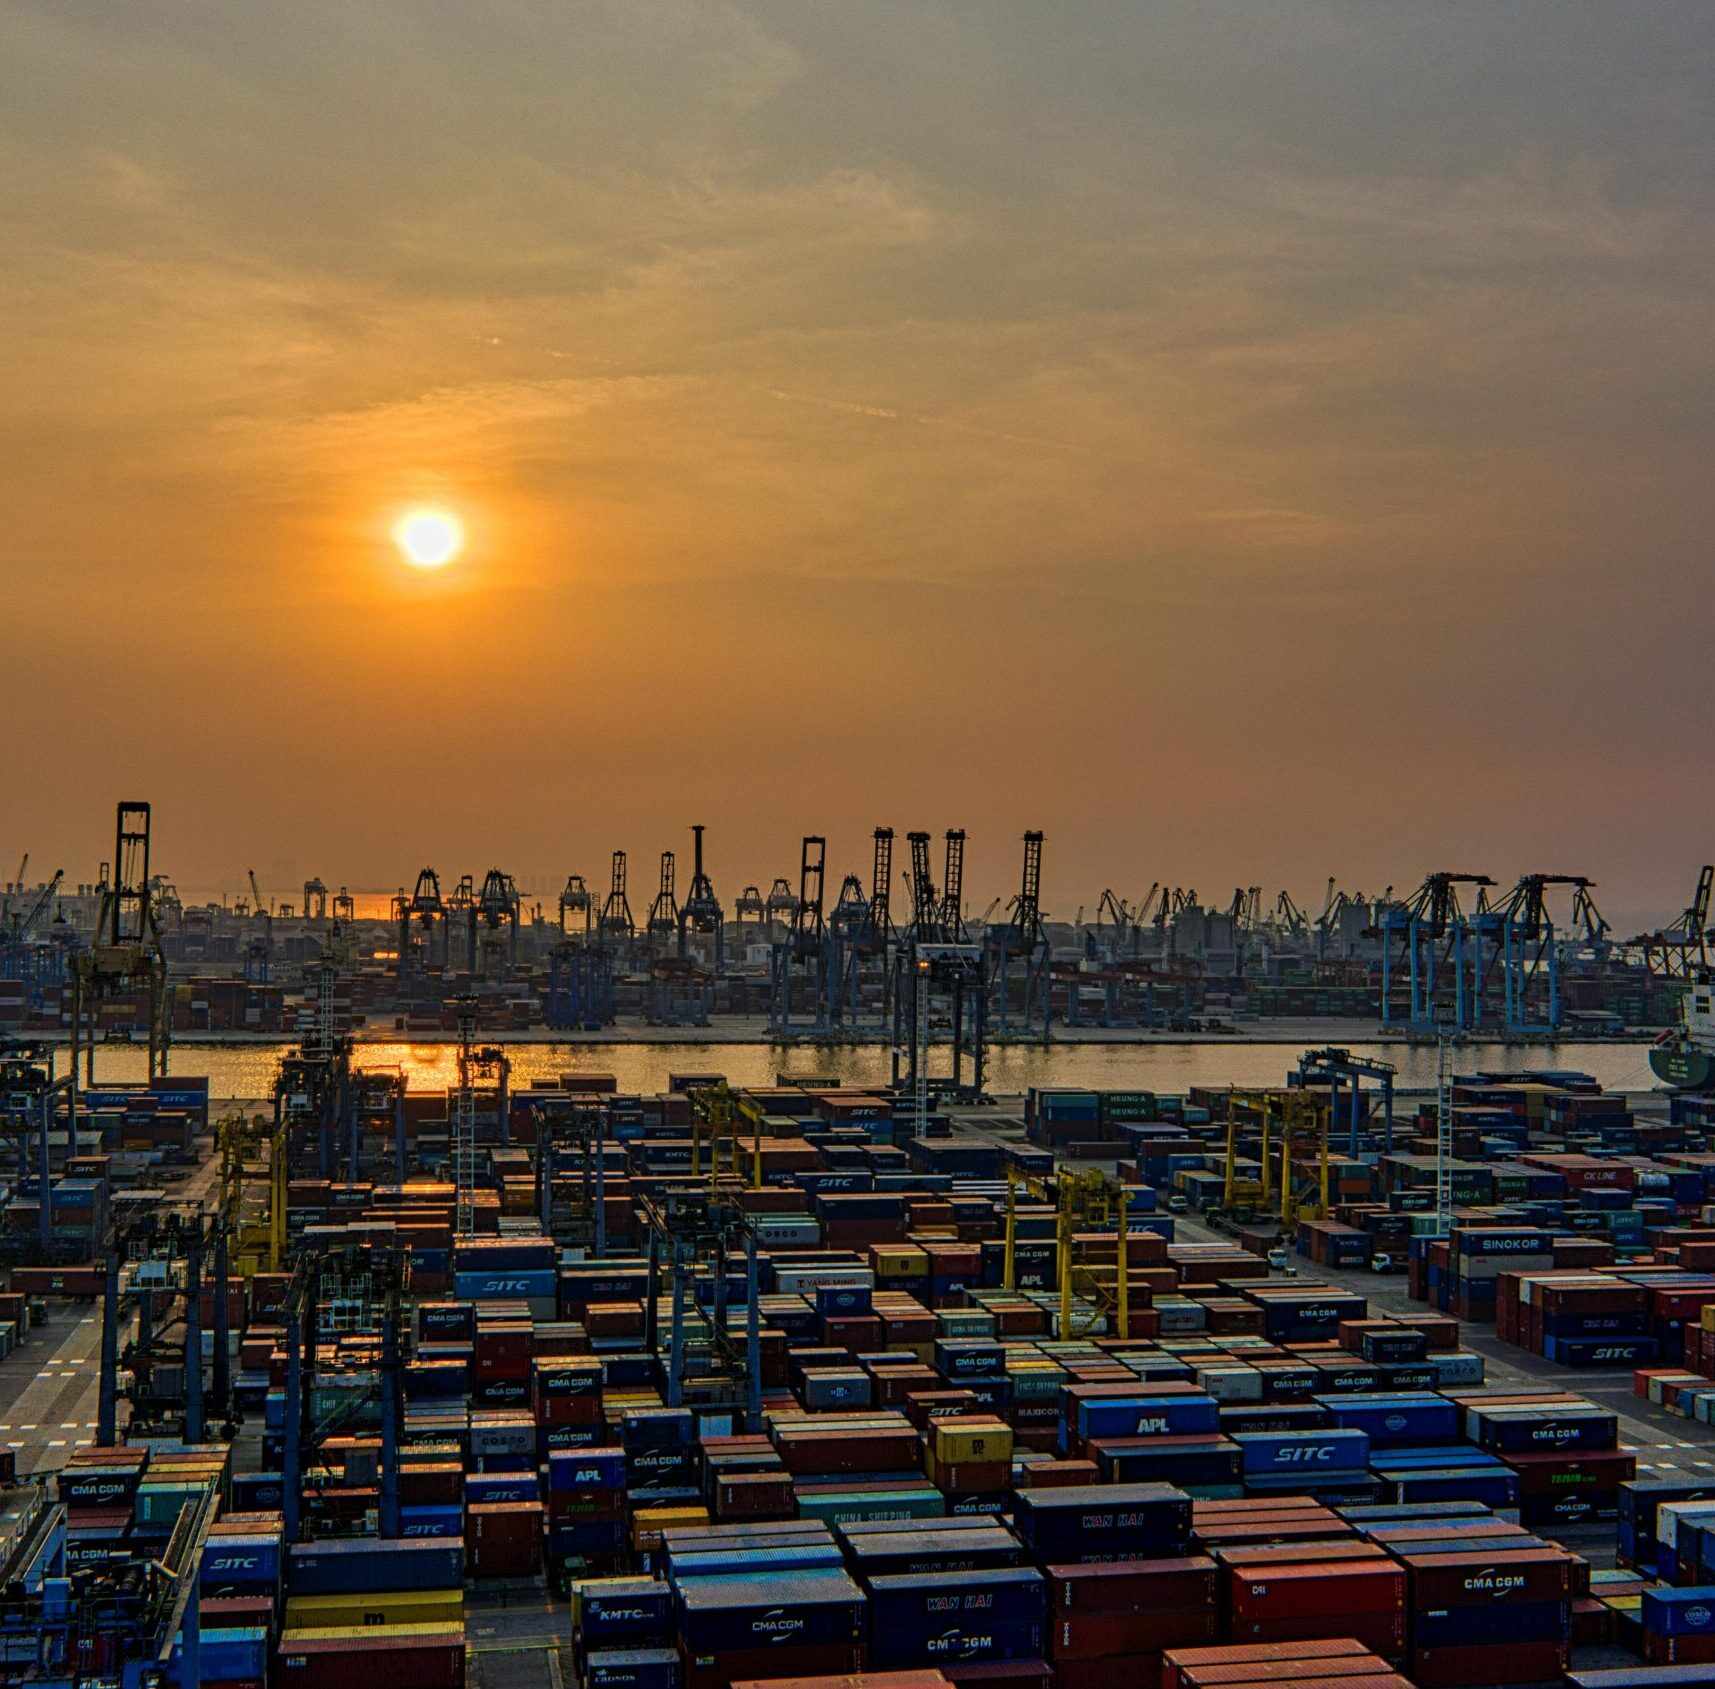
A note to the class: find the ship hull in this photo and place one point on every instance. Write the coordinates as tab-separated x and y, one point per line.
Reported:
1684	1067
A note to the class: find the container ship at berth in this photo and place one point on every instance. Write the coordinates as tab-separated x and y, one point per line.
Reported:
1685	1058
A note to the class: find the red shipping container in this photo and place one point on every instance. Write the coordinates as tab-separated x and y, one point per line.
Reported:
1001	1674
504	1538
1083	1636
972	1477
925	1678
1292	1554
840	1450
1123	1586
1363	1670
1057	1474
717	1671
381	1659
1516	1662
1520	1574
855	1333
1565	1474
754	1495
1381	1633
1185	1667
439	1485
1297	1591
1678	1650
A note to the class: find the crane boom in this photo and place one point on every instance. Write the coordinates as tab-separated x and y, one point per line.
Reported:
36	909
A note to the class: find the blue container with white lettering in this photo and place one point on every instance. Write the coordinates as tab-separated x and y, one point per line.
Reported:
1143	1415
1268	1452
437	1521
1419	1418
1680	1612
996	1613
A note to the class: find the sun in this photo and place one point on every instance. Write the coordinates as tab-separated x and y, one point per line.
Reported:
427	539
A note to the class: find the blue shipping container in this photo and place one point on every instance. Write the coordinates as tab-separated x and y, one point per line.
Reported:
1266	1452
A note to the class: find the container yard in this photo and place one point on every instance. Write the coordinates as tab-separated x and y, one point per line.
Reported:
857	846
899	1385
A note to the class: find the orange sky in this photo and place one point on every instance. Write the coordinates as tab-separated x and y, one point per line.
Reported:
1248	441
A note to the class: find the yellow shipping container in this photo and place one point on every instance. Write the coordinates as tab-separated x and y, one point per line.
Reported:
352	1633
897	1260
960	1441
649	1522
406	1607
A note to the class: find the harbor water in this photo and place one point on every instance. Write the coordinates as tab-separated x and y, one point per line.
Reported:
645	1067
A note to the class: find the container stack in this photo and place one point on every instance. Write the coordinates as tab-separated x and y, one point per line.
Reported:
1679	1626
1114	1620
1501	1614
1566	1454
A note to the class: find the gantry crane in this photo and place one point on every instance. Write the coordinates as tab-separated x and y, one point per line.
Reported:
702	913
663	921
1429	940
936	962
1297	1122
126	956
799	961
1084	1200
1680	951
1022	940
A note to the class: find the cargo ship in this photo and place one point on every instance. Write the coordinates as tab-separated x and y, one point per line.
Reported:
1685	1057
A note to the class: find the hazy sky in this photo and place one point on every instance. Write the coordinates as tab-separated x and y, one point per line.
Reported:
1248	441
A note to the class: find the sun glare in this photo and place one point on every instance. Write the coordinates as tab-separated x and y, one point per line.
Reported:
428	538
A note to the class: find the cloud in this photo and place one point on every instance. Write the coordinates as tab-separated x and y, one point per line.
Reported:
1168	350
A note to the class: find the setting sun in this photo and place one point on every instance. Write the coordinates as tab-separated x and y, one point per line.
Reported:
428	538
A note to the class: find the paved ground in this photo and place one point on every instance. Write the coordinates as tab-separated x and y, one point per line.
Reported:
51	1384
517	1638
49	1387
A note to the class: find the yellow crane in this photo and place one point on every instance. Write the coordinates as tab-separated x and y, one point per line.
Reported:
716	1118
1298	1121
1087	1200
252	1191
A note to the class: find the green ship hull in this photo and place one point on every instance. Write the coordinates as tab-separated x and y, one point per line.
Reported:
1683	1066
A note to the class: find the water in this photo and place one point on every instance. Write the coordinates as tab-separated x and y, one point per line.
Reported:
248	1071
